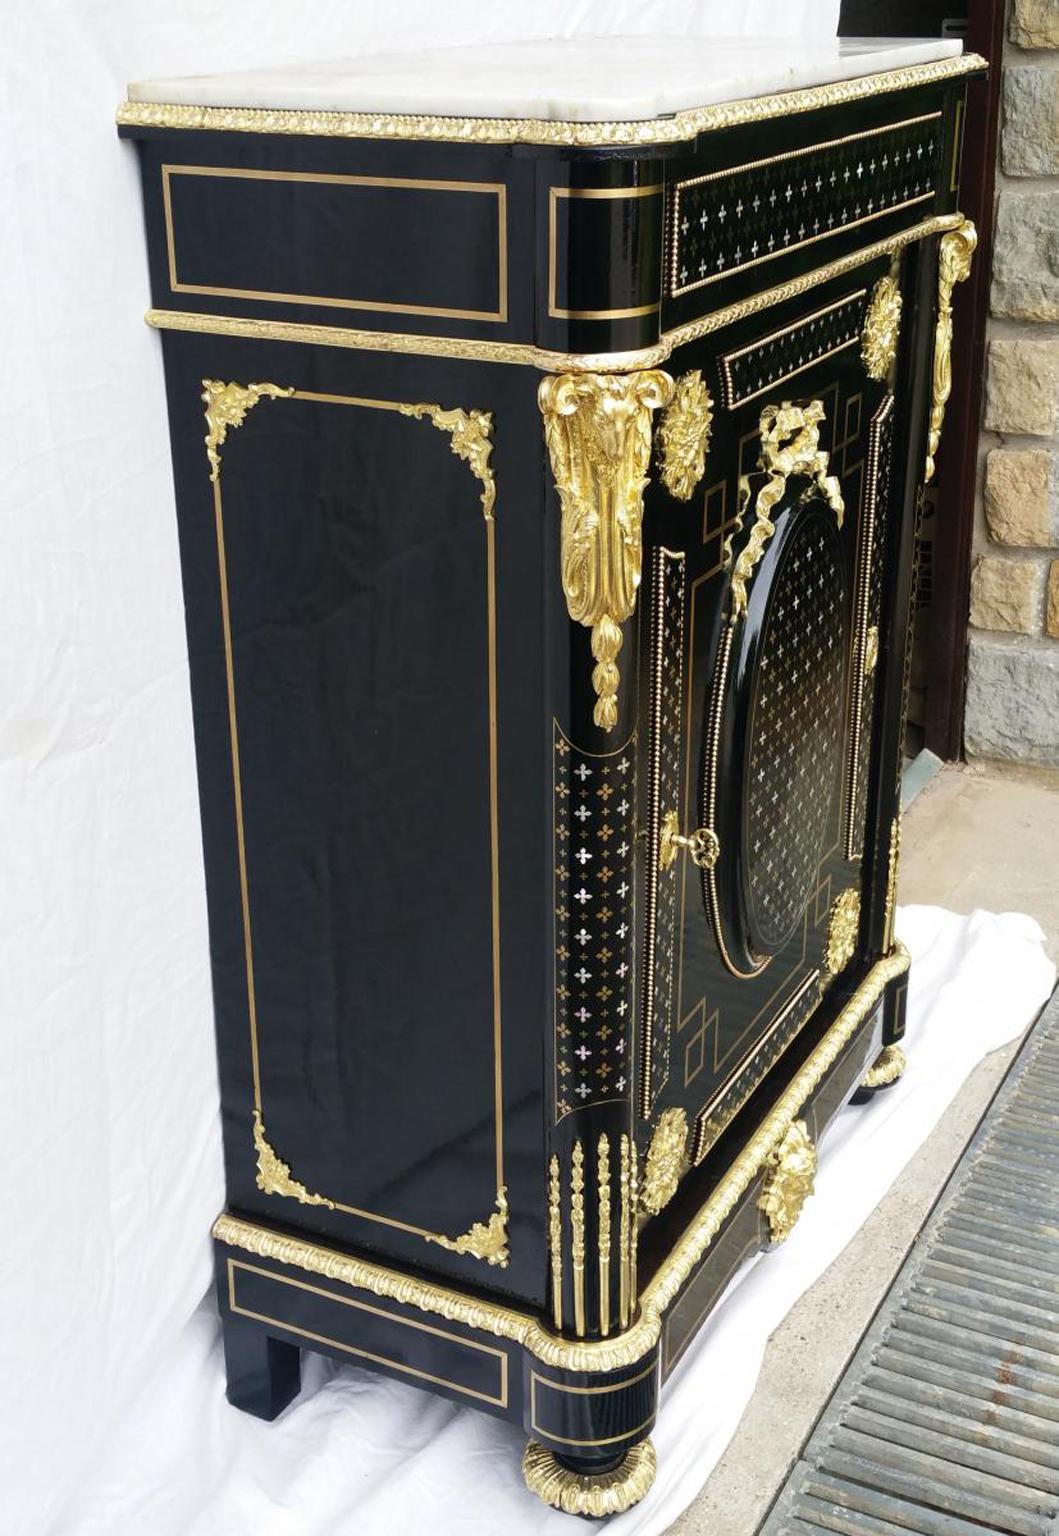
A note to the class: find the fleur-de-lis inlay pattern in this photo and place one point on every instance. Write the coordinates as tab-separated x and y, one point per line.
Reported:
796	727
726	221
595	799
783	354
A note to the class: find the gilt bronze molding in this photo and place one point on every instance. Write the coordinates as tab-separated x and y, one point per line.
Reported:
888	1066
790	445
882	328
593	1494
667	1159
955	251
680	125
789	1181
598	431
842	931
684	435
642	1333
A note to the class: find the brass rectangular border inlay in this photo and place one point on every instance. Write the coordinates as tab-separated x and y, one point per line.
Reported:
609	194
499	1400
401	408
495	189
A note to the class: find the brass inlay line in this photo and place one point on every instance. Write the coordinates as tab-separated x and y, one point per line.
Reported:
634	1205
577	1235
522	353
654	821
858	671
227	406
631	1345
702	1144
499	1400
609	1390
495	189
514	130
677	290
957	146
603	1175
608	194
555	1241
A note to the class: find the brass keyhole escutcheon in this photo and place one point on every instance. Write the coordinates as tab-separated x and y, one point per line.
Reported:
703	845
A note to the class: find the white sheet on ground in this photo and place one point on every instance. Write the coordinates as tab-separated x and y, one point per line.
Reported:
357	1455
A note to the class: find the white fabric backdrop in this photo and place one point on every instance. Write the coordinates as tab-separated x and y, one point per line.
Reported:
357	1455
108	1123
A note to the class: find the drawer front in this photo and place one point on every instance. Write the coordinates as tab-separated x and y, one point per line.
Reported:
394	245
766	601
746	212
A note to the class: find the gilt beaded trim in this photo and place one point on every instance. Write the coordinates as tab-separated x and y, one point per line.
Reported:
667	700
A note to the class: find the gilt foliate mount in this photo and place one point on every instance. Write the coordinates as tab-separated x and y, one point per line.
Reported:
597	428
790	445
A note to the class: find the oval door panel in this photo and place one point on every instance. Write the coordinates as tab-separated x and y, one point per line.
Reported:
775	729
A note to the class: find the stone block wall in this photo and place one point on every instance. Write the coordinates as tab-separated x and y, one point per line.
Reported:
1013	663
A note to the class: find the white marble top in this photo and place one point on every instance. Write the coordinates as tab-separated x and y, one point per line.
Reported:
583	79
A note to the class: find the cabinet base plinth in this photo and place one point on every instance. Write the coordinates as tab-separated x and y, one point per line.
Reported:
583	1493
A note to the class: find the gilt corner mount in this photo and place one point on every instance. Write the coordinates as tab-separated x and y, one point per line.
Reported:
598	431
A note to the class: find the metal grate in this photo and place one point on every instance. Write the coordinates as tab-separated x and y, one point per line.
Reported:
946	1422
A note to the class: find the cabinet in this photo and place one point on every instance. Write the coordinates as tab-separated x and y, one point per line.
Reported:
547	495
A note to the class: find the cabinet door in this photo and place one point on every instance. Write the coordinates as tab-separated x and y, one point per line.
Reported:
764	595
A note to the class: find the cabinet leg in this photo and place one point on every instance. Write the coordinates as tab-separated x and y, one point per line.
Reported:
264	1374
581	1488
883	1073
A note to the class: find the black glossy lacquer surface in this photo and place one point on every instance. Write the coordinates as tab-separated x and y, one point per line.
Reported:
455	990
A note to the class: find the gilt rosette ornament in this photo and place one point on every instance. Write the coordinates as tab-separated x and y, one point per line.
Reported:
684	435
667	1158
882	327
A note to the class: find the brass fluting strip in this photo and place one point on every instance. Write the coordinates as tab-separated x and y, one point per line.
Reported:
577	1235
603	1174
623	1236
634	1200
635	1342
555	1242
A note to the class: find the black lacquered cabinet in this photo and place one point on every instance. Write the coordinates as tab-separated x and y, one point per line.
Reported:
547	497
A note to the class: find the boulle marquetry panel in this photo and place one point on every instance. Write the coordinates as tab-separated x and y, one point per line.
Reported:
729	220
546	497
594	796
